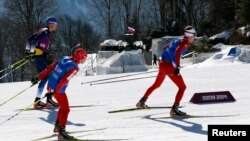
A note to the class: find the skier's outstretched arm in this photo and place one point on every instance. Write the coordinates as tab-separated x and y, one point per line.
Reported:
44	74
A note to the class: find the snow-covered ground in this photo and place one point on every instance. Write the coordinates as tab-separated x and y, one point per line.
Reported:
141	125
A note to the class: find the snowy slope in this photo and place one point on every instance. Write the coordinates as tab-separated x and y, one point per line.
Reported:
137	125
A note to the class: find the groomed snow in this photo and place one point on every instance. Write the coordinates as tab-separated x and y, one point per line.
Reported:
137	125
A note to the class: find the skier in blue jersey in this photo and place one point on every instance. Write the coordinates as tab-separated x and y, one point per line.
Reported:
37	49
59	74
170	66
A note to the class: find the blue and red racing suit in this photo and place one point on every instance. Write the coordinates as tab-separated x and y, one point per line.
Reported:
59	74
170	60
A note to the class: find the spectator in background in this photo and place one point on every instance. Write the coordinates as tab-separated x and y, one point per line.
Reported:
154	60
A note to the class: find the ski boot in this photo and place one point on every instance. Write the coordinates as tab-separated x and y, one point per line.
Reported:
63	135
176	112
141	104
56	128
50	103
39	104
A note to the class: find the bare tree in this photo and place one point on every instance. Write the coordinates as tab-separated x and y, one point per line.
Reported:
126	5
3	38
164	12
149	17
199	13
105	13
138	9
25	18
75	31
188	10
29	14
163	9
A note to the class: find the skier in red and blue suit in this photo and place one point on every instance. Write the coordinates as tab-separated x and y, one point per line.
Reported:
59	74
37	49
170	66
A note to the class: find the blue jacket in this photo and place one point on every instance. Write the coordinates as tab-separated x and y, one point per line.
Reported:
40	39
169	53
62	67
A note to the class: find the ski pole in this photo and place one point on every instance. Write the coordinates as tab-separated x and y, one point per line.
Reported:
27	107
127	79
117	77
13	65
17	94
23	63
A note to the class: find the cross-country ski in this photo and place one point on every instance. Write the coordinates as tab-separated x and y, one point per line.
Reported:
193	116
136	109
53	108
69	132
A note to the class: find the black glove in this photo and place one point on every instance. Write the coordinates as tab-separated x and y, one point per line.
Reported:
177	70
35	80
29	55
49	94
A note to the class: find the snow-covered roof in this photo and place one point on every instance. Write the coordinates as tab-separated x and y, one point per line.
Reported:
111	42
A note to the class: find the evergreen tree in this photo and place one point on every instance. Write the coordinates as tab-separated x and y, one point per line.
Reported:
222	13
243	12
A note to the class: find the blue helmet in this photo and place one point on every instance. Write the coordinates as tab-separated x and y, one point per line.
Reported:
51	20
